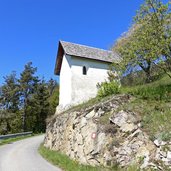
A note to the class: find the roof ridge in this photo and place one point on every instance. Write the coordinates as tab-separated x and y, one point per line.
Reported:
87	46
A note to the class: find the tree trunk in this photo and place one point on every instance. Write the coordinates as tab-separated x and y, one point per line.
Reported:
148	76
147	71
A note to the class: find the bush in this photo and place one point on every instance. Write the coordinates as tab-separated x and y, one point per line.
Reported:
108	88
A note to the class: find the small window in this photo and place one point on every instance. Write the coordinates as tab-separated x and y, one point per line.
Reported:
84	70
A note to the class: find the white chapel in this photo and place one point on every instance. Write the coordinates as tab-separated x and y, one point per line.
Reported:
80	69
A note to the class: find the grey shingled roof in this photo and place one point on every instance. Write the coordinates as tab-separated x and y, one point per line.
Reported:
83	51
89	52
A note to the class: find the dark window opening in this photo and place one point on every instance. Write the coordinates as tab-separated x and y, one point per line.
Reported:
84	70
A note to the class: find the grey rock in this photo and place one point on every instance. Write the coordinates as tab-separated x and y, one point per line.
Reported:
169	155
120	118
128	127
157	142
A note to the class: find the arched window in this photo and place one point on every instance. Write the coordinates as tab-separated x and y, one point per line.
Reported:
84	70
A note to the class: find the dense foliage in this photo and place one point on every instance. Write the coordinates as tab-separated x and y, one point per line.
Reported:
147	43
108	88
26	102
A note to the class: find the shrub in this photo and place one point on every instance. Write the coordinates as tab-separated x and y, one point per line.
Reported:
108	88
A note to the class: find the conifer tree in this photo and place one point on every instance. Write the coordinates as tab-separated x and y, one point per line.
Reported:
28	83
41	105
9	104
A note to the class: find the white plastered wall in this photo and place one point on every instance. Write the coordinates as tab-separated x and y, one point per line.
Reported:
65	82
84	87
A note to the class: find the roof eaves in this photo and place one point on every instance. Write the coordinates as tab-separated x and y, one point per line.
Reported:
59	58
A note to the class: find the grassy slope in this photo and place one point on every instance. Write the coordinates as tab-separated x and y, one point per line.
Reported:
158	90
64	162
152	103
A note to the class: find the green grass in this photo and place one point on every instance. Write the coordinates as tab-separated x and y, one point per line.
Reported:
155	116
158	90
85	105
153	104
10	140
64	162
90	103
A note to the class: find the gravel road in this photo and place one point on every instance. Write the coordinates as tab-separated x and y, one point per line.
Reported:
23	156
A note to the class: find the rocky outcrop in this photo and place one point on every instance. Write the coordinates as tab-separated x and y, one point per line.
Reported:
103	135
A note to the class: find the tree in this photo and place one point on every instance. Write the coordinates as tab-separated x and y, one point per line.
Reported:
148	40
28	83
134	52
53	99
25	103
51	86
156	14
42	106
10	93
6	122
9	104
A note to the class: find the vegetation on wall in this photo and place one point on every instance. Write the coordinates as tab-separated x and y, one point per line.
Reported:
27	101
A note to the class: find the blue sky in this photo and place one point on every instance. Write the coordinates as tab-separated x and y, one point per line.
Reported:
30	29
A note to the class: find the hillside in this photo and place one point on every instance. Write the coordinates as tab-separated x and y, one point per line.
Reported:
133	127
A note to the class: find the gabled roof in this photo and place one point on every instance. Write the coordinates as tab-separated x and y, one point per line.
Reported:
83	51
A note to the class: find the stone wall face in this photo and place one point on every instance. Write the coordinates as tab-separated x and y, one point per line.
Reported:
84	137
